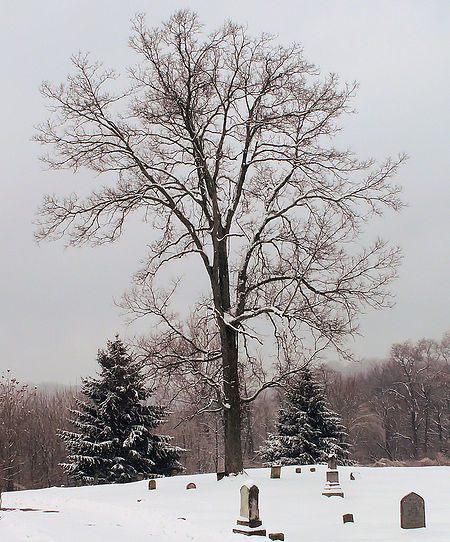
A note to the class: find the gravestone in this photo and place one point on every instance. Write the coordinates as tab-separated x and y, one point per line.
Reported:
152	484
275	471
298	470
220	475
332	462
312	469
249	512
412	511
333	476
191	485
332	487
276	536
352	476
348	518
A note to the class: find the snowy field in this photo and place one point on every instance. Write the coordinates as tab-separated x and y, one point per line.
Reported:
292	505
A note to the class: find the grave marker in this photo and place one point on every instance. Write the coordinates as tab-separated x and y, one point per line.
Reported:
152	484
191	485
276	536
332	487
249	512
298	470
348	518
275	471
412	511
332	462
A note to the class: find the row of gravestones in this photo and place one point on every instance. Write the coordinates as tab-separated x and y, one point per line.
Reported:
412	506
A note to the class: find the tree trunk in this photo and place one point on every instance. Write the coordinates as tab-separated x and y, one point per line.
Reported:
232	412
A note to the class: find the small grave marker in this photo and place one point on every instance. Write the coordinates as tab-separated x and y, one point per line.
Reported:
249	512
220	475
275	471
276	536
348	518
152	484
352	476
191	485
312	469
412	511
298	470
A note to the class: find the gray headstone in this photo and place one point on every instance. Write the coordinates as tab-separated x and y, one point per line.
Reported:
191	485
348	518
298	470
249	512
332	462
312	469
275	471
152	484
220	475
332	476
352	476
250	502
412	511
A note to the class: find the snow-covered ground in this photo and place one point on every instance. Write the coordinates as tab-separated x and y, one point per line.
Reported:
293	505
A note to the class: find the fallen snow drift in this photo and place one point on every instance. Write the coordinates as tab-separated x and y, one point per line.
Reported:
293	505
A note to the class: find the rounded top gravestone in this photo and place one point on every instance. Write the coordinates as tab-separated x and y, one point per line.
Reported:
412	511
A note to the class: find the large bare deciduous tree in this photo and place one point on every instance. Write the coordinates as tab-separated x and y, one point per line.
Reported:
224	143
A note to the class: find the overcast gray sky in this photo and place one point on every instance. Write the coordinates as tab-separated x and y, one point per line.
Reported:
58	304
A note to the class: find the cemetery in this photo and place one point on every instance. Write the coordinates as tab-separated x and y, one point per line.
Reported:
382	504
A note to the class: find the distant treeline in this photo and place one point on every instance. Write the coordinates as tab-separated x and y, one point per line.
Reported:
396	411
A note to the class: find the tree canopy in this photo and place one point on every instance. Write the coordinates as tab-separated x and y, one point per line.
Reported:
224	143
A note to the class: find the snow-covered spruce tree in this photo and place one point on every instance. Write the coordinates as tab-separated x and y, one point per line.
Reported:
308	430
115	442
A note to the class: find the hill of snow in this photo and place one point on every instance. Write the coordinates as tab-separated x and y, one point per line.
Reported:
293	505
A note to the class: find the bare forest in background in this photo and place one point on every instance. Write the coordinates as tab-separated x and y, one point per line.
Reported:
396	412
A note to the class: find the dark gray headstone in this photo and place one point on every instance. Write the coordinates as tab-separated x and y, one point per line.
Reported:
220	475
352	476
312	469
298	470
191	485
332	462
348	518
152	484
412	511
275	471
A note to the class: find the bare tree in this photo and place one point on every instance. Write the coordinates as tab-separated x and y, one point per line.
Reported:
223	143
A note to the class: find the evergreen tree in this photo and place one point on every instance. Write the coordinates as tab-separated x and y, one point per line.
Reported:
308	431
115	442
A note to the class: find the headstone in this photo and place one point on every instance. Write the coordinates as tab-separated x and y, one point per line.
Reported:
276	536
348	518
333	476
152	484
298	470
352	476
275	471
412	511
332	462
312	469
332	487
139	477
220	475
191	485
249	512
